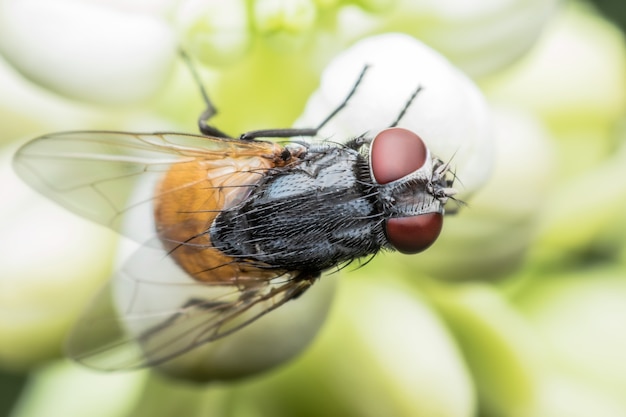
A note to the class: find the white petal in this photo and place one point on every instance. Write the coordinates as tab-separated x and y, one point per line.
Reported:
87	51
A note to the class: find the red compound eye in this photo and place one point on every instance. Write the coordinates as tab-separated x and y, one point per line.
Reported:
395	153
414	234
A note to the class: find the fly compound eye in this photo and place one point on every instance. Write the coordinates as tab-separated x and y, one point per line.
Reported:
414	234
395	153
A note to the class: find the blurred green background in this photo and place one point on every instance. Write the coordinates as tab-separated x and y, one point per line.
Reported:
518	310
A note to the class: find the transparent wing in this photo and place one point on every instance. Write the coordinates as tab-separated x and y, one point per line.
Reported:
152	311
163	190
107	176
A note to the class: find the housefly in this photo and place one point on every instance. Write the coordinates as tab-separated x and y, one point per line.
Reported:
235	227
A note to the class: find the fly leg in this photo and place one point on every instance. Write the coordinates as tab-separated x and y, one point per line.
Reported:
406	106
288	133
209	110
359	141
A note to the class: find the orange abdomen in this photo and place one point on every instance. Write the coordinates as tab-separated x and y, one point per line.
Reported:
193	193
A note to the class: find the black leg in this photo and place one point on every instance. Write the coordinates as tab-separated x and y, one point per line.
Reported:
359	141
209	110
288	133
406	106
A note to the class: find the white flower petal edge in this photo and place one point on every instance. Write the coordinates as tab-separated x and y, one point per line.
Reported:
450	114
87	51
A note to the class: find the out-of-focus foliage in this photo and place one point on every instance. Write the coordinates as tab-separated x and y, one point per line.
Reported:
613	10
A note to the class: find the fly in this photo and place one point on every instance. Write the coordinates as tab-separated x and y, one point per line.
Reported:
244	224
